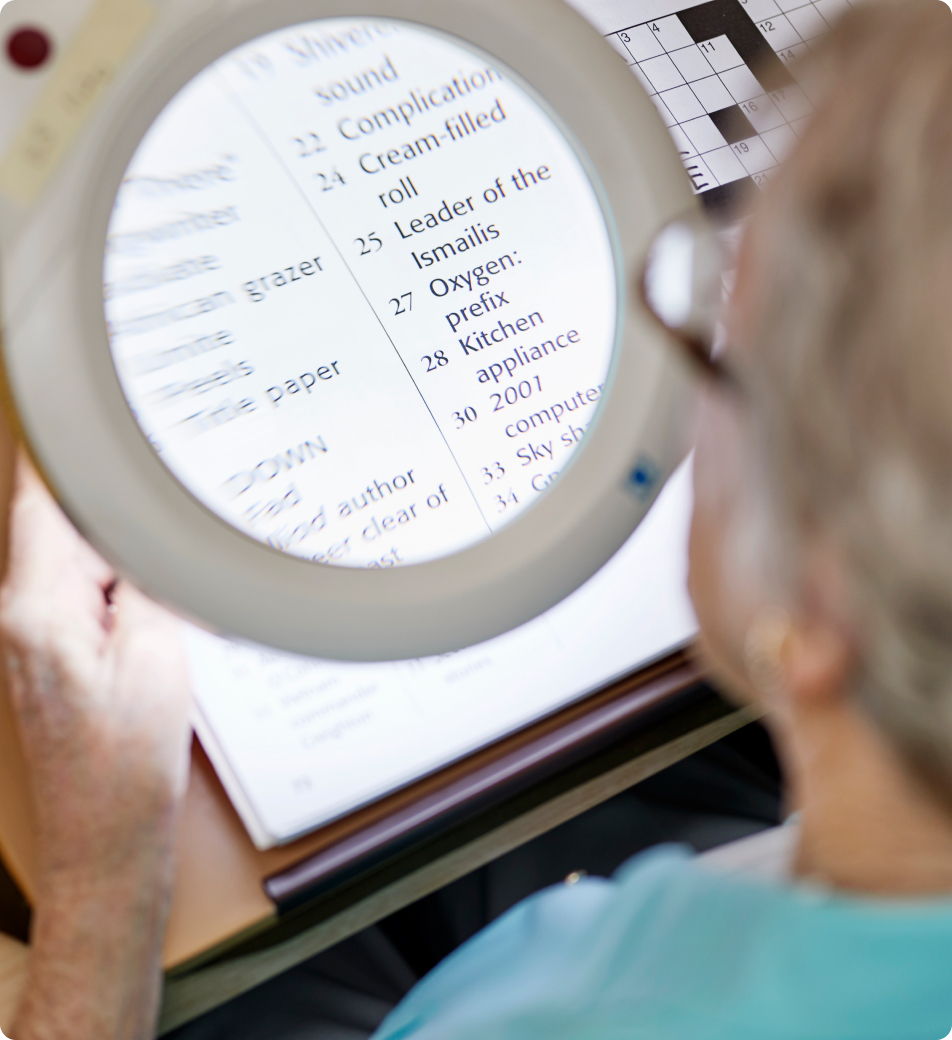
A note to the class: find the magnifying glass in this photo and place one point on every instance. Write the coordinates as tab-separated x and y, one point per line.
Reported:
329	333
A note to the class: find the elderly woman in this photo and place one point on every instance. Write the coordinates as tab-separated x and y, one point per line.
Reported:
820	571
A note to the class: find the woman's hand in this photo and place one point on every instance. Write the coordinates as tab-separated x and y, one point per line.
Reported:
99	688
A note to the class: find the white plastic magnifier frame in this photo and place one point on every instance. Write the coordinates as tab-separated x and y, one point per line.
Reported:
121	496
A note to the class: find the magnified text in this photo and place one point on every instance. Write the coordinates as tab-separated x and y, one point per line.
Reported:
360	293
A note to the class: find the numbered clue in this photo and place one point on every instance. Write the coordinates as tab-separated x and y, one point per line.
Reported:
360	293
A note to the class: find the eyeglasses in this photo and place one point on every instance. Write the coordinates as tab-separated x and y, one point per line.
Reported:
683	287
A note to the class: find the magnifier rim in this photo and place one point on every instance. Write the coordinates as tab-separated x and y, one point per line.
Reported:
493	584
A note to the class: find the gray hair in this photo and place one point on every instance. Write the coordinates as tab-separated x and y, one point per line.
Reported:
852	371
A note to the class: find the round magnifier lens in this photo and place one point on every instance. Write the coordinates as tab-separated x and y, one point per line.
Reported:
360	292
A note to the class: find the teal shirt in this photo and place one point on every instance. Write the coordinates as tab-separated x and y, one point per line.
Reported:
671	950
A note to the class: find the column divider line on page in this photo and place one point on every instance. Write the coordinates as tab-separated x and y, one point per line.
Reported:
277	156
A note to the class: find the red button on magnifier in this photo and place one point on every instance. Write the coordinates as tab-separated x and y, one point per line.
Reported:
28	48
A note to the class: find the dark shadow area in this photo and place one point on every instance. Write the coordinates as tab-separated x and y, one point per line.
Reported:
14	909
727	791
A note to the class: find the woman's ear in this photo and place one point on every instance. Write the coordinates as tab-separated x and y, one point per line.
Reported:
816	660
797	662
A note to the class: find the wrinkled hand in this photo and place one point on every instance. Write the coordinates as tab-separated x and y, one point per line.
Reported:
99	689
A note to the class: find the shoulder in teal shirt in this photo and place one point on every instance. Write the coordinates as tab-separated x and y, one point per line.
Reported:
671	950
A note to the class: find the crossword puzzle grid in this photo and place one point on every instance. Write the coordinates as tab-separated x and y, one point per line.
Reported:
729	126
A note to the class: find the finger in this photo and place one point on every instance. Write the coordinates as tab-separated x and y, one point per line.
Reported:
134	610
38	517
156	631
150	665
52	575
8	456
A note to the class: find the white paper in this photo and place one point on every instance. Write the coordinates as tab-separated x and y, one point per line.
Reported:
297	742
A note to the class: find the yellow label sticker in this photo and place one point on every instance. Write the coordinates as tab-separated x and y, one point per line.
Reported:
77	85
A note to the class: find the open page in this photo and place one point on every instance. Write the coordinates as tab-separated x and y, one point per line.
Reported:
299	742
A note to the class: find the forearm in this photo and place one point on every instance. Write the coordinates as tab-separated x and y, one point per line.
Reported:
95	964
100	691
